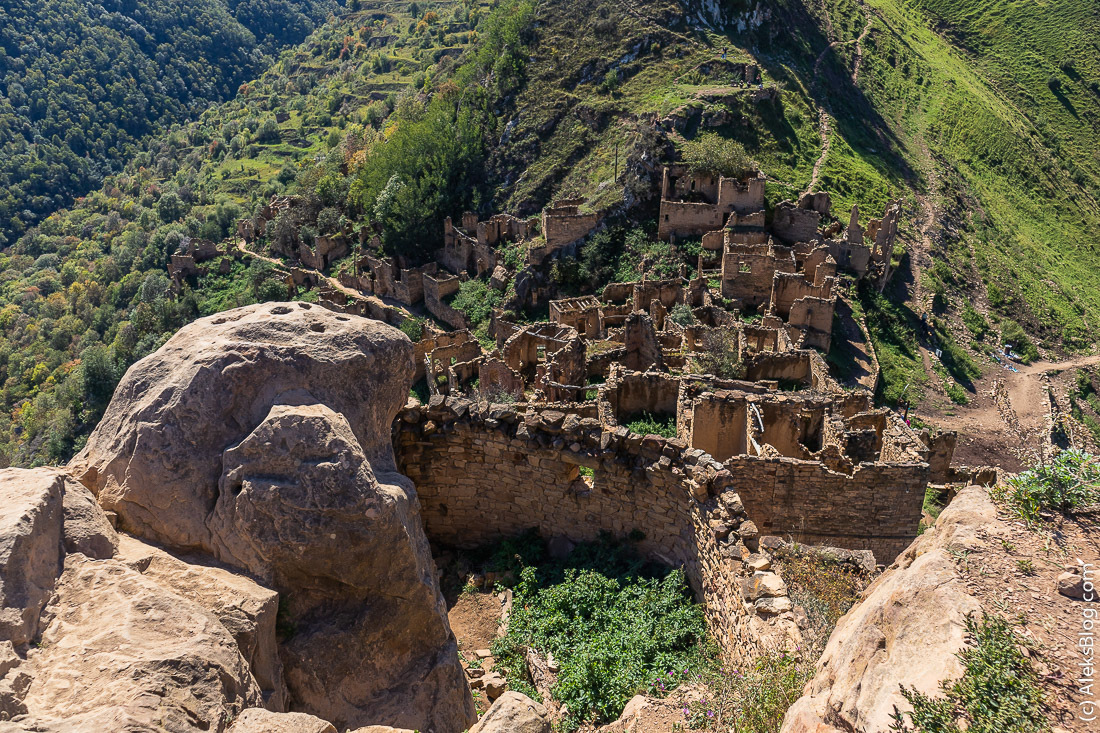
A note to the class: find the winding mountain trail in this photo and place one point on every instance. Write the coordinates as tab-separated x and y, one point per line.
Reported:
330	281
823	116
859	43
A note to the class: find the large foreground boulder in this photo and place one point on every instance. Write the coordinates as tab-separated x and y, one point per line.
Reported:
906	630
156	455
261	436
121	652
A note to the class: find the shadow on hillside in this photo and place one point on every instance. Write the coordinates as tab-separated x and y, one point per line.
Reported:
797	39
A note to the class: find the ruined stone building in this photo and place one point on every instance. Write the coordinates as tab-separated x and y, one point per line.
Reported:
693	204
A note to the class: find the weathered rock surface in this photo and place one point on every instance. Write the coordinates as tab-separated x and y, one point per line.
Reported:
258	720
514	713
906	629
261	436
86	529
246	609
156	455
120	652
30	548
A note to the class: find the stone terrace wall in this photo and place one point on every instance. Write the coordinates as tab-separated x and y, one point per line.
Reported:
876	508
483	474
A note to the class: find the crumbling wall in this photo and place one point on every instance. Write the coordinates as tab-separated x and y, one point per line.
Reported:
814	318
438	287
748	273
791	223
584	314
876	508
563	224
486	474
626	395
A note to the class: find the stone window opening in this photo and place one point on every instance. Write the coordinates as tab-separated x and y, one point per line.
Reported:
582	475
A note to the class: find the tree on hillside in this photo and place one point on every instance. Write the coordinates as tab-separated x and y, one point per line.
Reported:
716	155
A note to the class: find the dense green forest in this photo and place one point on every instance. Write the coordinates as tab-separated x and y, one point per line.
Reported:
83	84
85	292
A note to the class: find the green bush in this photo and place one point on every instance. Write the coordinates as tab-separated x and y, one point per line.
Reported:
1070	481
955	358
955	393
681	314
998	692
413	328
647	424
616	626
711	153
974	321
1013	333
476	301
752	700
720	355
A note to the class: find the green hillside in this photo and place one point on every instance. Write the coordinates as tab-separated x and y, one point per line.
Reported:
980	117
82	85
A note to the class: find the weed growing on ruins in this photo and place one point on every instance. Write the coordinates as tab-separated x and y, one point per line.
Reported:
476	300
419	390
647	424
413	328
751	700
825	589
681	314
935	499
1070	481
998	691
719	356
616	624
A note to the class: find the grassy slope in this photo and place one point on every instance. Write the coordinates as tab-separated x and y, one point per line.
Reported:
956	99
1025	152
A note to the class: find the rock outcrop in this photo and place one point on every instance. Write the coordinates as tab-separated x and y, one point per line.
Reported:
261	437
156	455
258	720
247	610
906	630
120	652
30	548
514	713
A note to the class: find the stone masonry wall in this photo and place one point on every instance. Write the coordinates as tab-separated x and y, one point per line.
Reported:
486	474
483	473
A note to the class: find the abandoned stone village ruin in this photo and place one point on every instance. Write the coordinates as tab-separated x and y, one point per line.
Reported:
267	468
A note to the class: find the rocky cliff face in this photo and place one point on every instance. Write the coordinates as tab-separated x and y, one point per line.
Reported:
254	448
910	624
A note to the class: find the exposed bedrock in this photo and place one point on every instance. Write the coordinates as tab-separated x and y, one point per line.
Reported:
261	436
906	629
